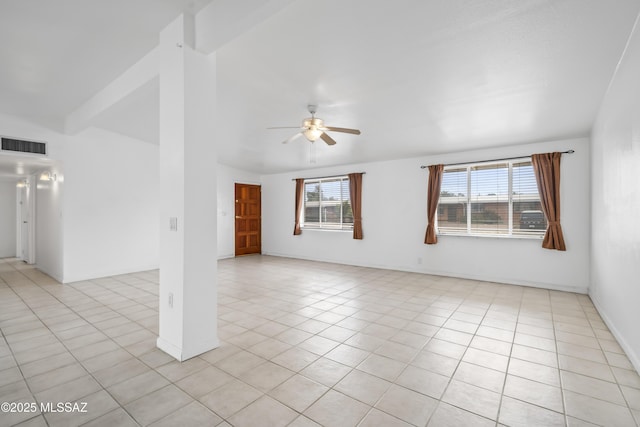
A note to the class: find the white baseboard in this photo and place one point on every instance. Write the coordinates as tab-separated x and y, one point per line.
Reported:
633	357
169	348
56	277
506	281
182	354
100	274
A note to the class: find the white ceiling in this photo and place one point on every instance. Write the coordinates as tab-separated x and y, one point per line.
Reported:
14	167
57	54
416	77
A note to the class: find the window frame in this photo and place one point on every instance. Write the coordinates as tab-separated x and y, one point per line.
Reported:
537	235
344	180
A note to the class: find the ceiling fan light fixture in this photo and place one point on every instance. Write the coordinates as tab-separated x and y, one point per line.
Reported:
312	129
312	134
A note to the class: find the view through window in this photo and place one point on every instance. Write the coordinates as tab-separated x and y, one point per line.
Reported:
327	204
491	199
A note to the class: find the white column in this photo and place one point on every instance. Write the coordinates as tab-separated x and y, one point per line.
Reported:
188	252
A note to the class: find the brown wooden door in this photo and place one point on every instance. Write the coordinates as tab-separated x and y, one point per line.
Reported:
248	219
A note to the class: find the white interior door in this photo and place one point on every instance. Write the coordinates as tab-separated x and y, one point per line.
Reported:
26	242
23	223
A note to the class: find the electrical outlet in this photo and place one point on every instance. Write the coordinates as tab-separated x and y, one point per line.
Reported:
173	223
419	260
170	300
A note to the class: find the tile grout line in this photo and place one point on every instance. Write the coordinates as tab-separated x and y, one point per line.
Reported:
91	374
387	286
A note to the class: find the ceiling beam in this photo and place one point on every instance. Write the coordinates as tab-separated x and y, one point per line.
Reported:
135	77
224	20
215	25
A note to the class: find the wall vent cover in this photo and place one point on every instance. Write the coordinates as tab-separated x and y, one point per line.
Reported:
21	146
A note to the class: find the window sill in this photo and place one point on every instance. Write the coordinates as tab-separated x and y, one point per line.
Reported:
494	236
333	230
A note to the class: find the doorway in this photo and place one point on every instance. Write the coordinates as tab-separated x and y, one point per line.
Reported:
248	229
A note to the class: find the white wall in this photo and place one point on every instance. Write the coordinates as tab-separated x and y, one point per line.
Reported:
49	240
615	187
107	221
111	205
394	224
227	178
7	219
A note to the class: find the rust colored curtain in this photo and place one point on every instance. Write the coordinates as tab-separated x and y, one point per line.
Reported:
299	203
547	170
355	190
433	195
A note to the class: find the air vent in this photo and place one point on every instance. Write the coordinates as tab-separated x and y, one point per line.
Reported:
18	145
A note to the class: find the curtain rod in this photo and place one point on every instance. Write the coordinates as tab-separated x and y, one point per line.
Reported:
326	177
494	160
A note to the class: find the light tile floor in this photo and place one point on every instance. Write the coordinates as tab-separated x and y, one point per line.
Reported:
308	344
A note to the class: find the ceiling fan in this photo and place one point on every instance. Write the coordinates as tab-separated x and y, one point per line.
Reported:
313	128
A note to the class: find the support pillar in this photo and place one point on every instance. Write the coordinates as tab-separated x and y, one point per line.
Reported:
188	215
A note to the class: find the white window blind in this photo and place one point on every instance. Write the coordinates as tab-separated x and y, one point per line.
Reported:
491	199
327	204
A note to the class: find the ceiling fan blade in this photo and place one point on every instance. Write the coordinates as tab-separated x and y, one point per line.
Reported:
345	130
326	138
296	136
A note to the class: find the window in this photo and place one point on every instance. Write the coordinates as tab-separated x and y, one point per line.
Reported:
491	199
327	204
